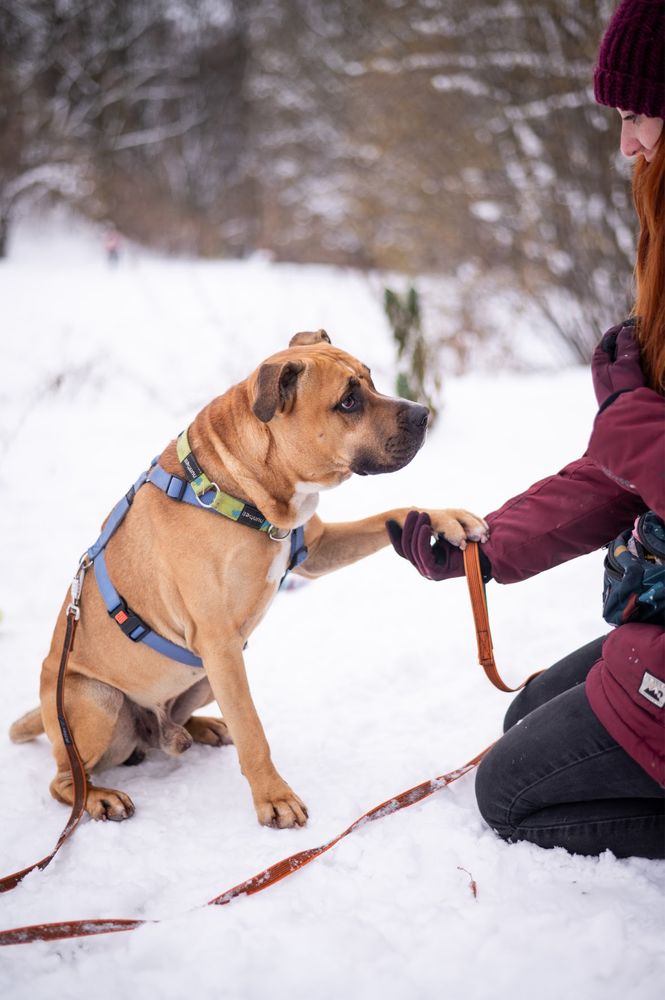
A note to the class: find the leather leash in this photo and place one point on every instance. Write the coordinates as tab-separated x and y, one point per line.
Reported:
476	584
275	873
79	777
281	869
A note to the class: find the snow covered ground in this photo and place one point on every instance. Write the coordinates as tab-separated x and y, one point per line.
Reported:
366	681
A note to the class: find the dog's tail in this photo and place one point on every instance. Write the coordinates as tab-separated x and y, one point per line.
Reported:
27	727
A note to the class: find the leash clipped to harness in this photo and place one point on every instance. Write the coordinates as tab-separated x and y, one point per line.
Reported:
131	624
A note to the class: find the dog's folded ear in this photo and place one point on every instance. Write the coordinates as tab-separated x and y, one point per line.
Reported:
308	337
275	387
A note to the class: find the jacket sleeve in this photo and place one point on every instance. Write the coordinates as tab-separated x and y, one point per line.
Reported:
578	510
628	445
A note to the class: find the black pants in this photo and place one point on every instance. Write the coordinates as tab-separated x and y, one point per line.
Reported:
556	777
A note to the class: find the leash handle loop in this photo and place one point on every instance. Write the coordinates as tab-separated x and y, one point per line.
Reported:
476	585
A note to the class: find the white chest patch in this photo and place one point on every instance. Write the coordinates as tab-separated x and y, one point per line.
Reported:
306	500
280	561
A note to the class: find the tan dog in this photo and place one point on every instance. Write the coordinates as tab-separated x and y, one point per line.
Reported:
304	421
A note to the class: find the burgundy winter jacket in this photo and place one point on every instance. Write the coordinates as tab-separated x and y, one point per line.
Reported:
578	510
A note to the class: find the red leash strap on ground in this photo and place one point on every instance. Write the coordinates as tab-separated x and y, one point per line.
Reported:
78	771
476	584
68	929
296	861
275	873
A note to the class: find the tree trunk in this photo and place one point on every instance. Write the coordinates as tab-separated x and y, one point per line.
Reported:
4	234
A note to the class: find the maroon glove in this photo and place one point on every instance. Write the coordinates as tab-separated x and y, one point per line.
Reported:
438	561
615	365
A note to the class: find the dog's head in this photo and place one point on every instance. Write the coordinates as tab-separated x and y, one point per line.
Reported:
326	416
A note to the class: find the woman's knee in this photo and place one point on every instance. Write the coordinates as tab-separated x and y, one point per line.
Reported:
516	711
565	674
492	795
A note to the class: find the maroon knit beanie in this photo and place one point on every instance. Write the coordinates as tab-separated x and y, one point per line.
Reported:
631	62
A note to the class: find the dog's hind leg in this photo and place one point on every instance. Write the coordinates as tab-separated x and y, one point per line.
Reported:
208	729
202	728
99	719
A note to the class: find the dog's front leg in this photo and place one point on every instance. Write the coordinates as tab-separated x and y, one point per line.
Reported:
334	545
275	802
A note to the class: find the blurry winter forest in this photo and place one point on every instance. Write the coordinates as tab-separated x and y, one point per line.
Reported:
429	138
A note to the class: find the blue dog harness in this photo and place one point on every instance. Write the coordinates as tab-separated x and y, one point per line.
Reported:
198	491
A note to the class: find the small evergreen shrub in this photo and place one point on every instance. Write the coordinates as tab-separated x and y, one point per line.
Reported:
417	378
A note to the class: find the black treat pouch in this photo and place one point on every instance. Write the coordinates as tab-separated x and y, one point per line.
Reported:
634	585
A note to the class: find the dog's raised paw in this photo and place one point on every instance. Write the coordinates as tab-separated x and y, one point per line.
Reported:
457	525
109	804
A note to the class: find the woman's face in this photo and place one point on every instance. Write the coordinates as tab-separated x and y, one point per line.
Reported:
639	134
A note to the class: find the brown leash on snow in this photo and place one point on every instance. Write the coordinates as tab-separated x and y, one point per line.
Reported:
269	876
276	872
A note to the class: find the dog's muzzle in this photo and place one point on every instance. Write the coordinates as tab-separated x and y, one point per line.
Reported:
412	420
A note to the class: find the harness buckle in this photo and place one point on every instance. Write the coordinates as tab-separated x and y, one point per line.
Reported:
129	622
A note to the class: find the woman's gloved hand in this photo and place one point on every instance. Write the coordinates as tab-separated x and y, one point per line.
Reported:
615	365
433	556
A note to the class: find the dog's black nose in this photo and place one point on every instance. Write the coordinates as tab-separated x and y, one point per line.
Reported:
418	416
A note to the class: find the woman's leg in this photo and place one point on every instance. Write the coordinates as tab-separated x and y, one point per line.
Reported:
561	676
558	779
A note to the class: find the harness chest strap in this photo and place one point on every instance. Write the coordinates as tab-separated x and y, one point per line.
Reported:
182	491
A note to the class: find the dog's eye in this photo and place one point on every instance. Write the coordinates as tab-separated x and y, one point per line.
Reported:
349	403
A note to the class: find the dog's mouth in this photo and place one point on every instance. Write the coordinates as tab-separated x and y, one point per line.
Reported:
366	464
397	452
409	427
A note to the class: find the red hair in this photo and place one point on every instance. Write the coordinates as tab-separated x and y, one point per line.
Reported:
649	198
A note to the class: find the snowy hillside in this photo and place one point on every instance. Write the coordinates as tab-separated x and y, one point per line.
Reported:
366	681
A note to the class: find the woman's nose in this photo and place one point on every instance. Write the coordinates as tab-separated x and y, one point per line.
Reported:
630	144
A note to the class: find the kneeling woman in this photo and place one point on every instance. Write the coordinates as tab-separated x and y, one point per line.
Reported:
581	764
